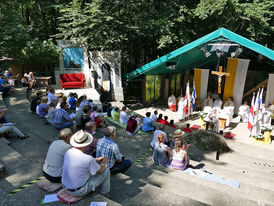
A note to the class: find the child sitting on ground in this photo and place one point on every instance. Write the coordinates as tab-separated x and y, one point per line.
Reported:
165	122
171	123
116	115
94	113
85	117
43	107
99	121
160	119
180	159
160	151
72	101
187	128
154	116
37	107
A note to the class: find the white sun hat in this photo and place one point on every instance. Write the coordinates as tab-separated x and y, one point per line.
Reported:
81	139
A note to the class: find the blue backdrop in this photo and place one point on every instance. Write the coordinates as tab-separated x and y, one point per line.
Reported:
76	55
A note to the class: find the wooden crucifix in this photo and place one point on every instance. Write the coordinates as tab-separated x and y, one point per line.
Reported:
220	73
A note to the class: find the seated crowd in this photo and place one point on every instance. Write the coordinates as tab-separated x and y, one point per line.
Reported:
83	163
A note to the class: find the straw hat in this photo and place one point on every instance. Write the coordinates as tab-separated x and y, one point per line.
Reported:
178	133
81	139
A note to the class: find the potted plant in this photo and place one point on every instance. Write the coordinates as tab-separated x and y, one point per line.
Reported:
259	136
267	129
202	115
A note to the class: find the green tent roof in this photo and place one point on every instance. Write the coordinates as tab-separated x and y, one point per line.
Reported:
190	55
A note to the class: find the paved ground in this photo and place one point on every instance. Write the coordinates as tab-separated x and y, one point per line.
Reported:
144	183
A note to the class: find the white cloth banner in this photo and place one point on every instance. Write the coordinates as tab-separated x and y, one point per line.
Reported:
204	83
240	83
269	99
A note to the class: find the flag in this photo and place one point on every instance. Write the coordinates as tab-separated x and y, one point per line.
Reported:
256	105
187	97
261	99
193	96
251	114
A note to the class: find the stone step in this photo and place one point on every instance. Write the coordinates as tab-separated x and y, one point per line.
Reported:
5	200
237	162
130	191
238	174
155	196
19	169
202	190
232	161
254	152
254	162
33	195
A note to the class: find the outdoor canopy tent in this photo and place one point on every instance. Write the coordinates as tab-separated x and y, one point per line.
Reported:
190	56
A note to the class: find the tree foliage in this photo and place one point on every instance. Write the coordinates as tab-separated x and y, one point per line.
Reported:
142	30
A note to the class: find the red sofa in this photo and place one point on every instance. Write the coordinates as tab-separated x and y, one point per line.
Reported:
72	80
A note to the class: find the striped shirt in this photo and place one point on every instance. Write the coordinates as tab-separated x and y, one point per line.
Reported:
108	148
61	116
178	161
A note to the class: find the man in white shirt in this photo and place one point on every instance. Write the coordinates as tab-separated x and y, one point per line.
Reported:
53	166
244	112
218	103
123	116
51	96
181	113
81	172
155	135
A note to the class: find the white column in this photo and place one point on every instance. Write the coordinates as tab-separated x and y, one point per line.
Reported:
269	99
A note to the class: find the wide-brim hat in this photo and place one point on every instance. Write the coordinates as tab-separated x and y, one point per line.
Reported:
81	139
178	133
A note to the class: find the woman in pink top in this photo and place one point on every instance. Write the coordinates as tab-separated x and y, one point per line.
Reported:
180	158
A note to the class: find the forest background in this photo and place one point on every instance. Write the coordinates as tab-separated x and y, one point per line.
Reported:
142	29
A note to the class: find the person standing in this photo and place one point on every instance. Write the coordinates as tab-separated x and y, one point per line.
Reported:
244	112
181	114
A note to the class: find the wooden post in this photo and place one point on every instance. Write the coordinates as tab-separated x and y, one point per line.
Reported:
217	155
186	79
144	90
